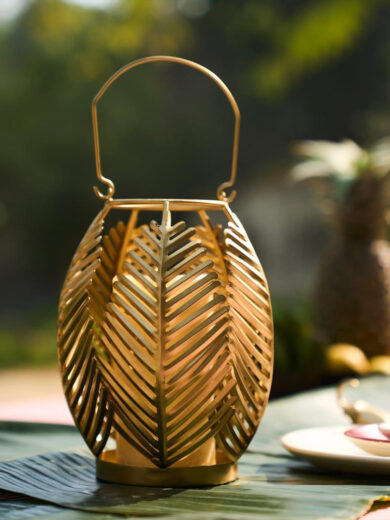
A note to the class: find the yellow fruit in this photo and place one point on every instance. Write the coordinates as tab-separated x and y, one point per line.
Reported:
342	358
380	364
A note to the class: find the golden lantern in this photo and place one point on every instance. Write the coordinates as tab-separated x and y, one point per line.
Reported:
165	334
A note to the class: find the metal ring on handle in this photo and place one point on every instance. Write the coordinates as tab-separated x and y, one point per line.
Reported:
221	195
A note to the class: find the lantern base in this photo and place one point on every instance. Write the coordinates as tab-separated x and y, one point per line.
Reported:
109	470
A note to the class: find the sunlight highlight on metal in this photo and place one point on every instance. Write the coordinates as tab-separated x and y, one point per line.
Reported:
165	337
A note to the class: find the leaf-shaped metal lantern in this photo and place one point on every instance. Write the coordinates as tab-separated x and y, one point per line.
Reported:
165	336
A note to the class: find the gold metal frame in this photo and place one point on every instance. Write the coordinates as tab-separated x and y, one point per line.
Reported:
165	335
221	195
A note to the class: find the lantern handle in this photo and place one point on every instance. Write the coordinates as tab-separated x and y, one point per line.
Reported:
221	195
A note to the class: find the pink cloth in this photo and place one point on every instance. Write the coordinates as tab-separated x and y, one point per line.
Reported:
37	409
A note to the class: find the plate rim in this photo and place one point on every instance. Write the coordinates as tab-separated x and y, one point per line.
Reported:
362	458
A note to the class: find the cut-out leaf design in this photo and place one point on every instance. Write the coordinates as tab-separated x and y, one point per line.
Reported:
165	333
85	294
250	339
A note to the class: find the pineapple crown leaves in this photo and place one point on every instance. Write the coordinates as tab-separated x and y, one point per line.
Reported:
343	160
340	163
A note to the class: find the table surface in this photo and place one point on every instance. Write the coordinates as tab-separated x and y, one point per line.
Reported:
272	484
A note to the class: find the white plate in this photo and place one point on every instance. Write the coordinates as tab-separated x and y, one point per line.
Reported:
329	448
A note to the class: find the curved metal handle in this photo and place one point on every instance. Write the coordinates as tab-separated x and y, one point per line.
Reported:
221	195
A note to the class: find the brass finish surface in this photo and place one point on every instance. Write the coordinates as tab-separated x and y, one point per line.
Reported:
165	341
108	469
221	195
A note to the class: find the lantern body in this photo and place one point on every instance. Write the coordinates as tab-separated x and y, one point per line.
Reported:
165	343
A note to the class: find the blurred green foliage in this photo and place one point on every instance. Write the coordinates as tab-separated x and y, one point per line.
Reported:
310	38
299	68
295	336
299	358
32	342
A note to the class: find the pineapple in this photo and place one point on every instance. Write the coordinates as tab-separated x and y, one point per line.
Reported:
352	292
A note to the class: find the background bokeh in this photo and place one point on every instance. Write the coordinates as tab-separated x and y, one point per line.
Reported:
299	69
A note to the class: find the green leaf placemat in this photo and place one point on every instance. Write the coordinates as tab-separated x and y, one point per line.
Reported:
272	484
68	479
